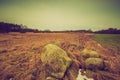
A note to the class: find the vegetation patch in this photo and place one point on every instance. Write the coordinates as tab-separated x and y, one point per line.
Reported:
111	40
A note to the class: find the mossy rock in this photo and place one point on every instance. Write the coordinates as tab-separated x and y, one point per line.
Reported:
56	60
58	43
89	53
94	63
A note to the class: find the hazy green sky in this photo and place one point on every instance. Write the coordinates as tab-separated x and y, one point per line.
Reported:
62	14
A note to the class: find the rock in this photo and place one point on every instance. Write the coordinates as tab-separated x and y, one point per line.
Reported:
56	60
89	53
51	78
58	43
94	63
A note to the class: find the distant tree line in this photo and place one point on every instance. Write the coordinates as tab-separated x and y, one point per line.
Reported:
109	31
9	27
106	31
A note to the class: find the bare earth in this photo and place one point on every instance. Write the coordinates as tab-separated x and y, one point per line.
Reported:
20	55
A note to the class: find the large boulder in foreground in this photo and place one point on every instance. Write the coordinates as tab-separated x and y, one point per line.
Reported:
56	60
94	63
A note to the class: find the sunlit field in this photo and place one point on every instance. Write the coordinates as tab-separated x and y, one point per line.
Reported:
20	55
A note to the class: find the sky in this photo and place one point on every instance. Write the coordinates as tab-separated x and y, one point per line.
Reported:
62	14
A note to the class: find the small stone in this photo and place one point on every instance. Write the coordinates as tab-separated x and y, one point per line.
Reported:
89	54
51	78
94	63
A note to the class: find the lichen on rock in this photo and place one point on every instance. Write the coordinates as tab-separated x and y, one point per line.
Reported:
55	60
94	63
86	53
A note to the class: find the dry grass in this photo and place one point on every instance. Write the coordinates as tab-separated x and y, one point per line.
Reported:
20	54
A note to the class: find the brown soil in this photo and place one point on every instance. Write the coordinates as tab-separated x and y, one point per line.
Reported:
20	55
